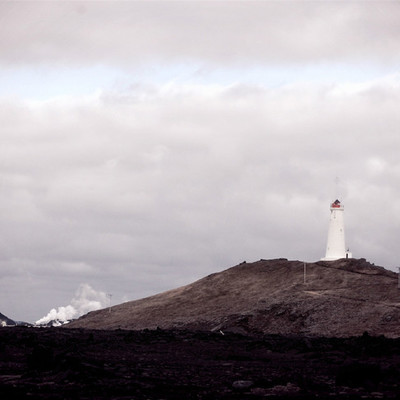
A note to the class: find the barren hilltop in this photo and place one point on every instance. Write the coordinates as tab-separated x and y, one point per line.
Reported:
339	298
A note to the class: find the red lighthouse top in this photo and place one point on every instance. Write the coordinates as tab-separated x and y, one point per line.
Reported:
335	204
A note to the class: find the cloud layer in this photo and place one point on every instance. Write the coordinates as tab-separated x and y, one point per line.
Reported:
222	32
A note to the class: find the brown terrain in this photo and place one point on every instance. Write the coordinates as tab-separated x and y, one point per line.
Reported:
254	331
338	298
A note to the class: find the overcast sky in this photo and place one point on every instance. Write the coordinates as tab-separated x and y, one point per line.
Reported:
145	145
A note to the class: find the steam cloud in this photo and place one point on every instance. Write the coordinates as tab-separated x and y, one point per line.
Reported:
86	299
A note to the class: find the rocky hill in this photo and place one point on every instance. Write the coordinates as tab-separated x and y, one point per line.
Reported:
338	298
5	321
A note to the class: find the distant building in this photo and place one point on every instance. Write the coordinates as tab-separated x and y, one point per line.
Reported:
336	247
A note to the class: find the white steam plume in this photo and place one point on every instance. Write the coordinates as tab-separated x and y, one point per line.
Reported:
86	299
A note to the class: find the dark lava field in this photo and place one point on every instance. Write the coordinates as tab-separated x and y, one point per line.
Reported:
57	363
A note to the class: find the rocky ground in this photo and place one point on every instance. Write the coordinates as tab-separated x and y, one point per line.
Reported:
55	363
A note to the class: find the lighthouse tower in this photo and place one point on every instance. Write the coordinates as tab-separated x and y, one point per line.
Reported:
335	247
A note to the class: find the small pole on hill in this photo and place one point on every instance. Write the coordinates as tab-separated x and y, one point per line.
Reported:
109	295
304	272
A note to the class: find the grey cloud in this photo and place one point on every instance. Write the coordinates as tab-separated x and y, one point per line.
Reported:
135	33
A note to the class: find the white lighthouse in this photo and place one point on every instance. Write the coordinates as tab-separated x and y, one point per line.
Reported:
336	247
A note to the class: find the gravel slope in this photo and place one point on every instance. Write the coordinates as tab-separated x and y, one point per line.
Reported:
340	298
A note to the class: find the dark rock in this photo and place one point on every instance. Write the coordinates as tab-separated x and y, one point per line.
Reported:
242	385
57	363
41	358
359	375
